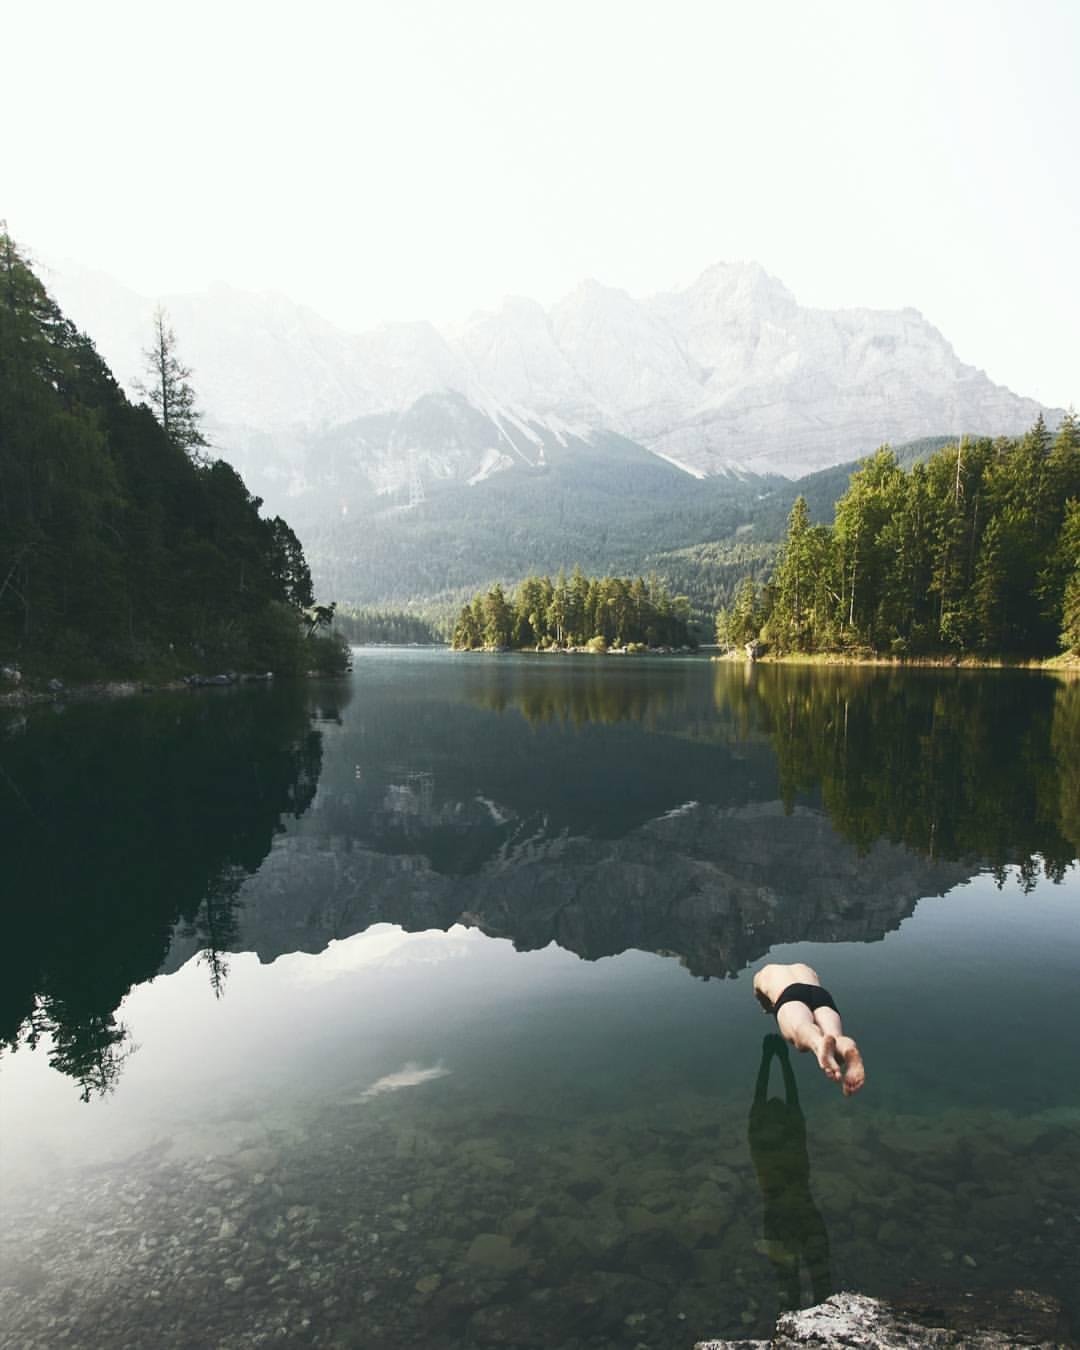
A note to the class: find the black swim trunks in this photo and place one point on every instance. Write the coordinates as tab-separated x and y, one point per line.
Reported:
811	994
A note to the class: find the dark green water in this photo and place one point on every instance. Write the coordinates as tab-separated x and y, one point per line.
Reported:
416	1011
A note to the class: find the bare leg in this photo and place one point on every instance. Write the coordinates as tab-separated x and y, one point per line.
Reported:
847	1052
854	1069
798	1026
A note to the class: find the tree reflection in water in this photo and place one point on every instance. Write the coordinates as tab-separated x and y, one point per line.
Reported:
121	824
960	764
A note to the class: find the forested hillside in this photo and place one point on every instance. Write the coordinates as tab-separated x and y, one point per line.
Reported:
606	506
977	549
709	573
123	549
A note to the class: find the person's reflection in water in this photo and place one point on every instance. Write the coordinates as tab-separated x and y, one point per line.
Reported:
794	1230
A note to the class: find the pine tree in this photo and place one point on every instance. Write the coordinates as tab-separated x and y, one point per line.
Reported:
557	611
1063	464
991	603
576	597
288	565
745	620
792	580
466	636
171	396
498	619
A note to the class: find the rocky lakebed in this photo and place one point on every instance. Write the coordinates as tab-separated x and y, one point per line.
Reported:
405	1219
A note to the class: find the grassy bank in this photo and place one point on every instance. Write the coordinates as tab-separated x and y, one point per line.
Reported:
1068	663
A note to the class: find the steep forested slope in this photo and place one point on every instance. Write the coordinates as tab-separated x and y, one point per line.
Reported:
118	551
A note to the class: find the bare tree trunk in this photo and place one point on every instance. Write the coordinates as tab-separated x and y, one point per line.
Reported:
854	569
959	461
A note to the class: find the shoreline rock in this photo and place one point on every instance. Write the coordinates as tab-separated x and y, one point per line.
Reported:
57	692
983	1320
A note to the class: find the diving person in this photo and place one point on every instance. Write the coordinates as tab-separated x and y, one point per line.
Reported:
807	1018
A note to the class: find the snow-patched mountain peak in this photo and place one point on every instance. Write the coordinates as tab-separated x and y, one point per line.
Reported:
730	371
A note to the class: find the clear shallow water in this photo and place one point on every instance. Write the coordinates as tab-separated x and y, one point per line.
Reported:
440	1030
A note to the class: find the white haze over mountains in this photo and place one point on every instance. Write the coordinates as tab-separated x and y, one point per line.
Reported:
730	374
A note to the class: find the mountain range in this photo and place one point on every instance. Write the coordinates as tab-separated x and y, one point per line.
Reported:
540	418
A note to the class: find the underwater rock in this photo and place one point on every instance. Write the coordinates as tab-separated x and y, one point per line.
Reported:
497	1252
605	1299
519	1221
517	1324
255	1160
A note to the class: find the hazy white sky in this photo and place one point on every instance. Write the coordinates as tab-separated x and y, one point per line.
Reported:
407	159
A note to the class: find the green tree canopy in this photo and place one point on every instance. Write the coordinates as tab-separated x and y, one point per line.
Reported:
603	611
974	550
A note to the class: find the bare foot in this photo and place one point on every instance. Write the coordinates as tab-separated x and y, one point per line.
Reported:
826	1057
854	1075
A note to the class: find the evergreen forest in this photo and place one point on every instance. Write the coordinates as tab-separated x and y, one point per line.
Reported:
976	550
596	613
389	626
124	548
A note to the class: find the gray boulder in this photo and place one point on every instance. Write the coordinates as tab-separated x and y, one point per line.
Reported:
856	1322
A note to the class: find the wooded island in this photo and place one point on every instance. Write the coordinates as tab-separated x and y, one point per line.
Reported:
596	614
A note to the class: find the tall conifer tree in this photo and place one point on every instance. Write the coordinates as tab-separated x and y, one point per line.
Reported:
169	391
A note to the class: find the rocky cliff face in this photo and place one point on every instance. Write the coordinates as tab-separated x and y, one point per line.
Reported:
731	373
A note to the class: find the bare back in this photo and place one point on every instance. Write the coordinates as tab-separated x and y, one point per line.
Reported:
773	979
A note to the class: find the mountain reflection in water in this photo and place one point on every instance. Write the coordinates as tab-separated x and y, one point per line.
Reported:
694	809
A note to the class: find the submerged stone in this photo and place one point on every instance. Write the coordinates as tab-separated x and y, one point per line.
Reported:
497	1252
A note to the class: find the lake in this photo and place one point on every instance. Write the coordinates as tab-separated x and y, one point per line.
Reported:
416	1010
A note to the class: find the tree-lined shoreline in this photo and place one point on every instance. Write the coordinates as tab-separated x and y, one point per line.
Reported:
973	555
1066	663
126	551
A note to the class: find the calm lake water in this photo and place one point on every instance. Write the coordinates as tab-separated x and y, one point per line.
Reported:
415	1010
